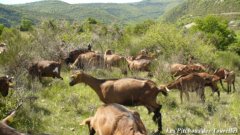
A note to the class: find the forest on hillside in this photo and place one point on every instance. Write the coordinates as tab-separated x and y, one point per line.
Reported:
54	105
11	15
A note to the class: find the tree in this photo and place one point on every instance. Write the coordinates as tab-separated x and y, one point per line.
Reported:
26	25
216	31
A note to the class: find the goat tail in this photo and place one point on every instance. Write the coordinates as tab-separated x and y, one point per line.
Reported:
86	122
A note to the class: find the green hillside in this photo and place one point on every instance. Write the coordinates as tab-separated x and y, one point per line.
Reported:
230	9
9	16
105	12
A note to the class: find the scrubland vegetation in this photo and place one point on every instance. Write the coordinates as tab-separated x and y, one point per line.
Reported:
53	107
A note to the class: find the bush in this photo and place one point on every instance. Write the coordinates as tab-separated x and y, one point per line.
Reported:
235	47
92	21
141	28
26	25
168	41
227	59
216	31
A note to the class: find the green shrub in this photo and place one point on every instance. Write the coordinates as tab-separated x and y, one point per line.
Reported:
141	28
227	59
216	31
235	47
92	21
26	25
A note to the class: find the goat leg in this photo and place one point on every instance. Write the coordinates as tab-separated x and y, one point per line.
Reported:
221	83
181	94
203	98
157	118
230	88
92	132
187	94
234	89
218	92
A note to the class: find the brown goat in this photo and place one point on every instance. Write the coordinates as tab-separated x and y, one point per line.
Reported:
7	130
72	56
139	65
180	69
191	83
143	55
221	73
87	59
5	84
230	79
213	83
125	91
177	69
45	69
113	59
115	119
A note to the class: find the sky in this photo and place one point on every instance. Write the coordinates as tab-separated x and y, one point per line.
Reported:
69	1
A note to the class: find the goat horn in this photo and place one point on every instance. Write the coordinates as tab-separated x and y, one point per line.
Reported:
167	89
9	118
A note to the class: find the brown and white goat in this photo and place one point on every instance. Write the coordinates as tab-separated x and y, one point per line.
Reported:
115	119
45	68
125	91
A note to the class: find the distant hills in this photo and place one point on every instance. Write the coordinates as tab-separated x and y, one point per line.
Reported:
169	10
230	9
9	16
105	12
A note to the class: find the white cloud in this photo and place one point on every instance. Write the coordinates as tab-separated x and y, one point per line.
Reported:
69	1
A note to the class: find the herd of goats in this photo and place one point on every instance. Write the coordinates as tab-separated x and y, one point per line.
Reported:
113	118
